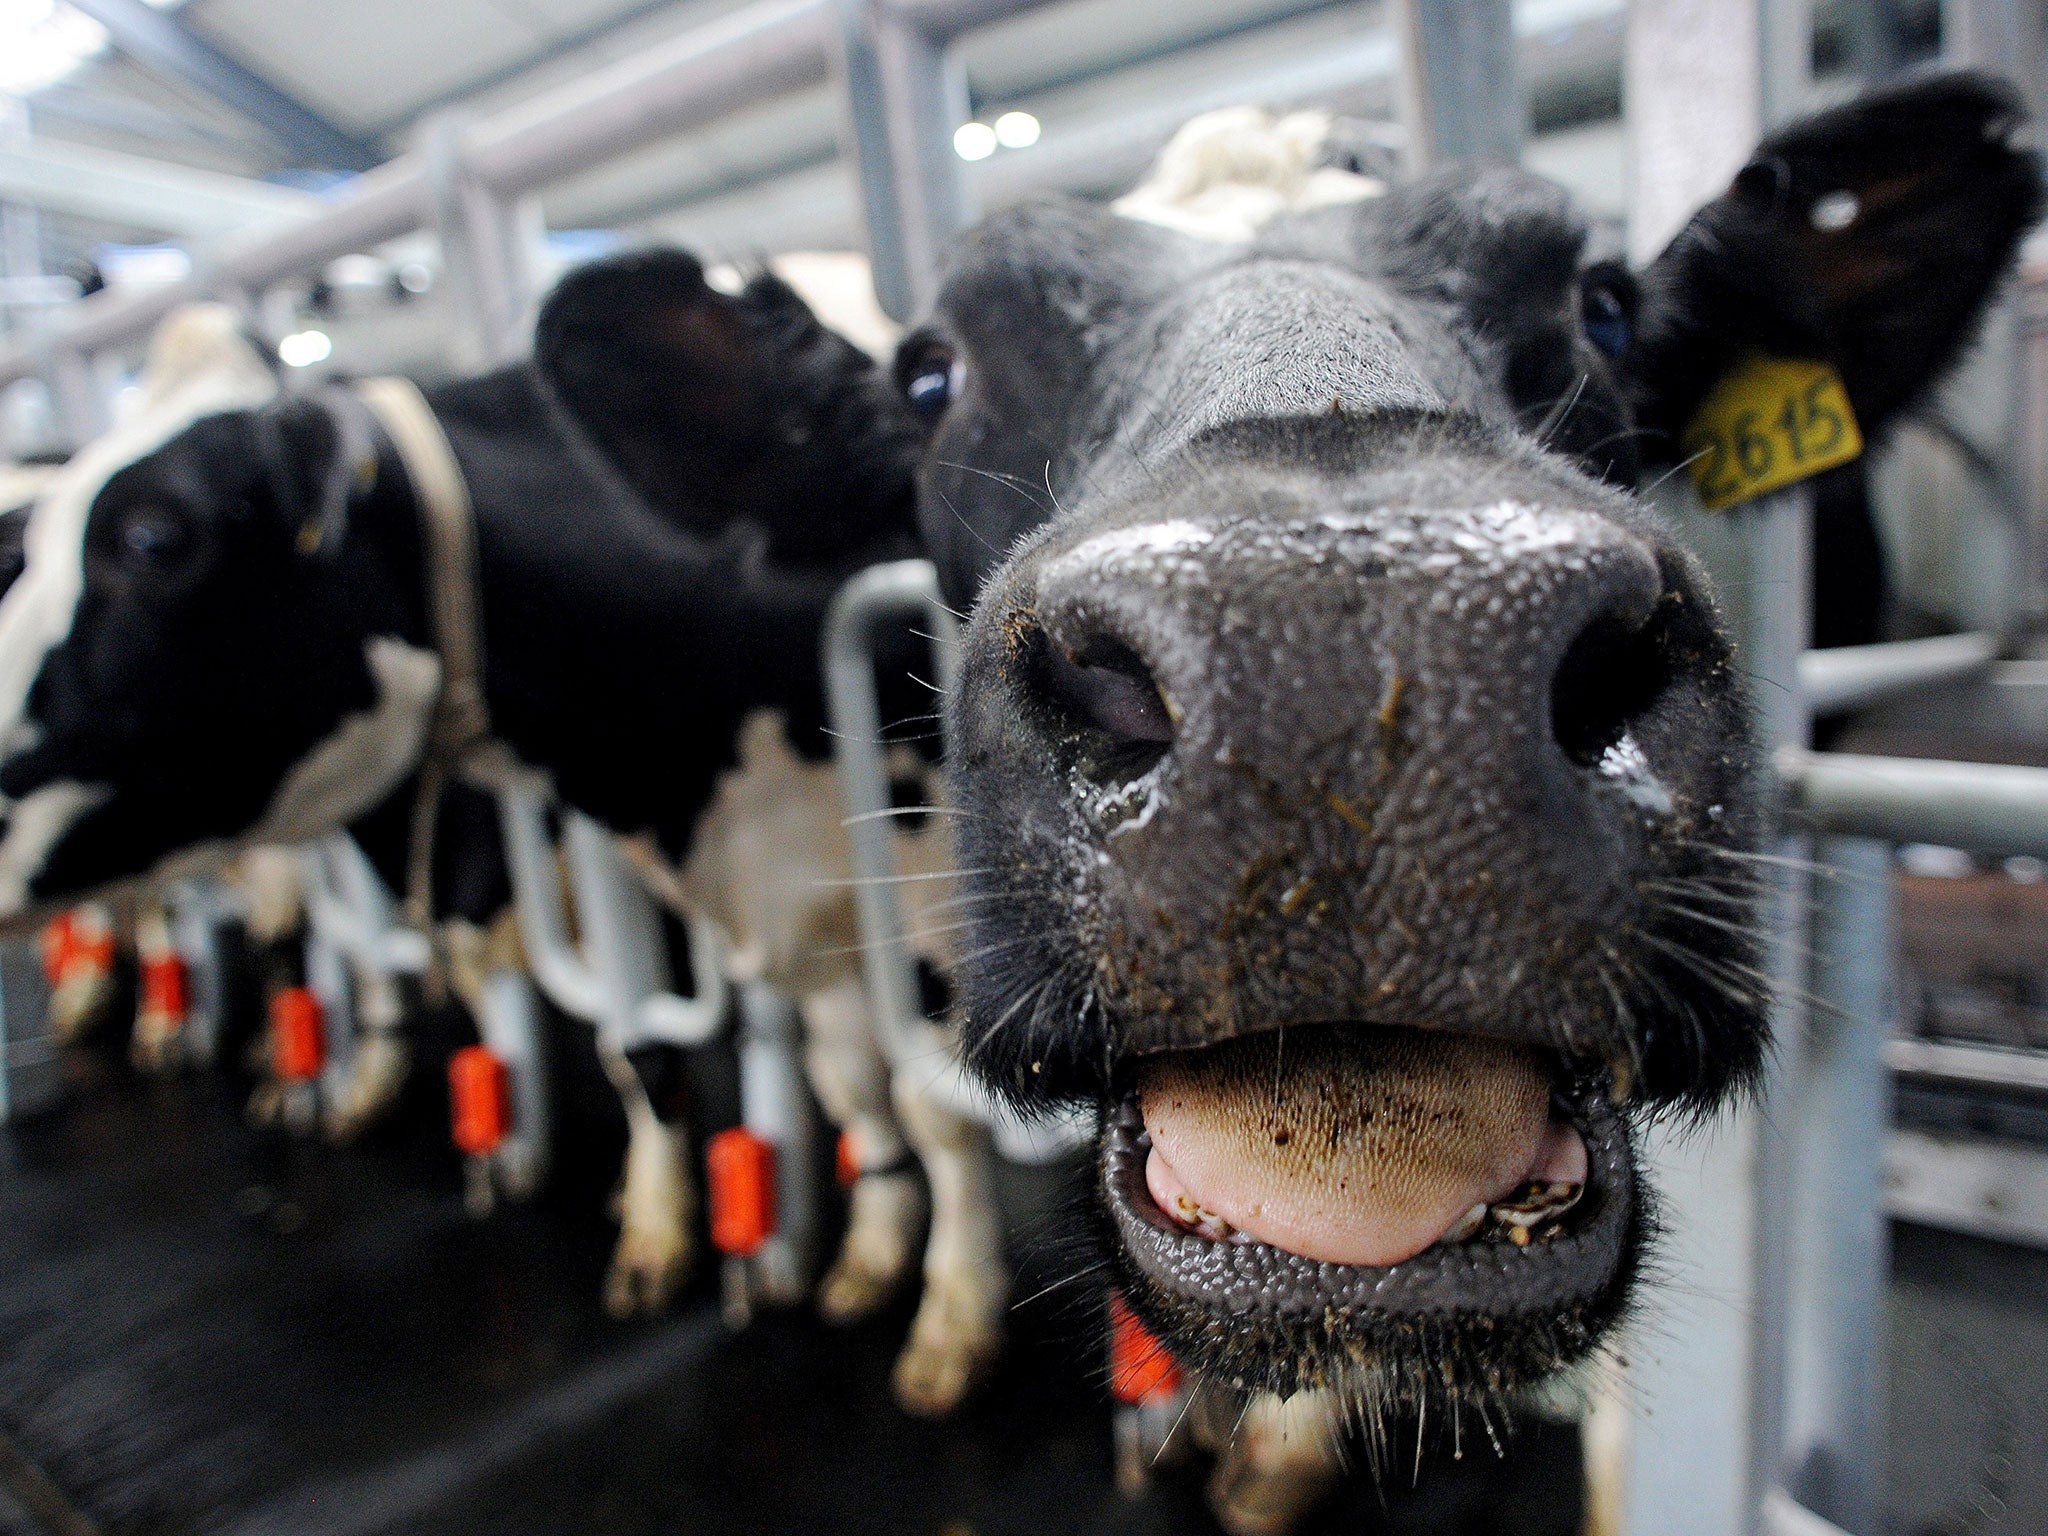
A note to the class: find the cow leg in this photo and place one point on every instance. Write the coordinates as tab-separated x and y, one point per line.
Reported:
851	1081
1276	1462
157	1044
657	1202
85	985
959	1327
382	1059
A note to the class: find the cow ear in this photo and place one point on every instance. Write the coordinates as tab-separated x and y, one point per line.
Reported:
1870	237
725	408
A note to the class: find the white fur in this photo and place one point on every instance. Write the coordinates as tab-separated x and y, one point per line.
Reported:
1227	173
368	754
36	824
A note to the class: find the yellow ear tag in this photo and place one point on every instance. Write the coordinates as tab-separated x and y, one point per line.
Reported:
1769	422
310	534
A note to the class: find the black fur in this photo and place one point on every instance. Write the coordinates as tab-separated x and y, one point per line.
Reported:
629	622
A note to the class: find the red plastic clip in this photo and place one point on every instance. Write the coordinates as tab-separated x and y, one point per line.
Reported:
74	939
166	986
846	1162
480	1092
59	941
742	1169
1140	1369
298	1035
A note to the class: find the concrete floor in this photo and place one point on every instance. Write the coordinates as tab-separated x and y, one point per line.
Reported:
208	1329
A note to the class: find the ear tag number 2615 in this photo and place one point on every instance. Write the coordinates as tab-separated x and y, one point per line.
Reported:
1768	423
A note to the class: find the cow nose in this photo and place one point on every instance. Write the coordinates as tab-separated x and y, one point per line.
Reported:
1304	731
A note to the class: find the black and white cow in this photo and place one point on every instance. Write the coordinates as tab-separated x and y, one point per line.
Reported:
1353	771
221	640
1356	799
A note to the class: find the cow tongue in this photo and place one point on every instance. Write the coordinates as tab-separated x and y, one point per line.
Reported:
1348	1145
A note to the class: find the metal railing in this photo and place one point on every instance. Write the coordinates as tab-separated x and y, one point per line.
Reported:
1757	1377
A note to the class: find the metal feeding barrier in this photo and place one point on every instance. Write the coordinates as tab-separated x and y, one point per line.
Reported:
905	593
1757	1413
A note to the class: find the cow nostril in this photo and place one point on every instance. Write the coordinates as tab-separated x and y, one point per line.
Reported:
1107	697
1612	673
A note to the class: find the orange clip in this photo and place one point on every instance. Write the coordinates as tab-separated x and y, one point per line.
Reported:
480	1092
298	1035
846	1162
1140	1369
59	940
166	986
742	1169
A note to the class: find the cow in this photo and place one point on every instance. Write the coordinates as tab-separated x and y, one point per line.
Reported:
222	638
1355	793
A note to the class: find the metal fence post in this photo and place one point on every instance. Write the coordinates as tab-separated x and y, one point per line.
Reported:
904	94
1834	1380
489	246
1701	81
1460	93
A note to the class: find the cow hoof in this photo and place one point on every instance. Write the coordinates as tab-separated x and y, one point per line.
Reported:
647	1267
881	1243
156	1048
266	1104
77	1007
1281	1463
373	1086
953	1347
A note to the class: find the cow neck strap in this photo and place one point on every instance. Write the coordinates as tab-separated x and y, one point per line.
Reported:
462	720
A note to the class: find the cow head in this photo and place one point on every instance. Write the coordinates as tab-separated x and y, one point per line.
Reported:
1355	799
220	636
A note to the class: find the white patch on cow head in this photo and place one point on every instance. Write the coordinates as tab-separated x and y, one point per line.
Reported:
35	825
197	368
1226	174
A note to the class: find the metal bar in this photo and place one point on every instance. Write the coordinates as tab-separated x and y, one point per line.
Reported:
508	1021
163	42
537	896
904	95
774	1106
31	1068
1854	677
1783	1515
1989	807
1835	1326
768	48
903	590
1461	95
763	50
1969	1066
157	195
490	247
1996	1189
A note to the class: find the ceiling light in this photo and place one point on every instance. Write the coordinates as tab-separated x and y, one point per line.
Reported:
302	349
974	141
41	42
1016	130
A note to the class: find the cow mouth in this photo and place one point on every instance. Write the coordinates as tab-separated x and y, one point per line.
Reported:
1295	1207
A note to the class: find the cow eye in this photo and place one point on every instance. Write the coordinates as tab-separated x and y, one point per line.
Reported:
154	538
930	375
1607	308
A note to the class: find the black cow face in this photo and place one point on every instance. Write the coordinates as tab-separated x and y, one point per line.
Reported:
1356	802
197	653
